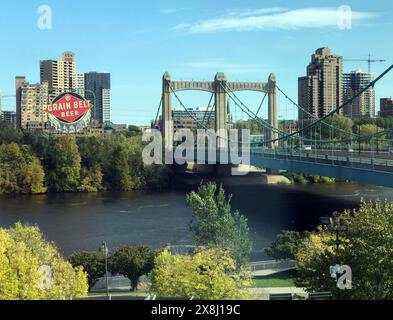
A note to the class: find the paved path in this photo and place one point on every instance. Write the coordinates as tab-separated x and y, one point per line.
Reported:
264	293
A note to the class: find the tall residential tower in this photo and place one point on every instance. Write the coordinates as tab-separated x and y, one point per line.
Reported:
97	91
364	105
60	74
321	91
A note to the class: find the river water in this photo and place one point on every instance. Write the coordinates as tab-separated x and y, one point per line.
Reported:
77	222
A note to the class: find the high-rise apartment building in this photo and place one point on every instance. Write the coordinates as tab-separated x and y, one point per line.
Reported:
321	91
386	107
80	84
364	105
97	91
19	81
32	99
60	74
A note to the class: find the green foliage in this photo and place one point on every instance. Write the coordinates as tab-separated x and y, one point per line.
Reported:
214	225
303	178
209	274
23	250
369	129
91	179
132	262
9	133
133	131
367	247
93	263
20	170
85	163
285	245
65	165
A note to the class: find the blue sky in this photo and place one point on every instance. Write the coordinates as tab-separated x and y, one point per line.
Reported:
137	41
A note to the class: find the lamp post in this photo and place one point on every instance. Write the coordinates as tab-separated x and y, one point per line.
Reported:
328	221
105	251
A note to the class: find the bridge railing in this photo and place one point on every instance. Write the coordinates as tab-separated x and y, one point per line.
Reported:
376	162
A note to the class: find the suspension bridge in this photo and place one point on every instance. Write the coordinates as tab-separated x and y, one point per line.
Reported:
316	146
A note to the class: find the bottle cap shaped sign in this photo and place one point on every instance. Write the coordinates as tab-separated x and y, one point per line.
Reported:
69	107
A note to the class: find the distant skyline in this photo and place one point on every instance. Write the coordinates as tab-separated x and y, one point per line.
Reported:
137	42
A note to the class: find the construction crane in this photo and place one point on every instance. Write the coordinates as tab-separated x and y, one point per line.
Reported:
369	60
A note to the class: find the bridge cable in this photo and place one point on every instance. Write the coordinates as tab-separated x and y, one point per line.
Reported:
320	120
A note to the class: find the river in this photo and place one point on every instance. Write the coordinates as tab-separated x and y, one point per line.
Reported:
77	222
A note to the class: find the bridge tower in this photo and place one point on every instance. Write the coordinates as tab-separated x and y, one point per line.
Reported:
167	123
221	103
272	108
220	88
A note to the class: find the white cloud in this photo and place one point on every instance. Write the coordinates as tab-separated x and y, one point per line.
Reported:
215	65
276	18
254	12
181	26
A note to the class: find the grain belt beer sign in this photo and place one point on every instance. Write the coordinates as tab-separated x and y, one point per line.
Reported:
69	113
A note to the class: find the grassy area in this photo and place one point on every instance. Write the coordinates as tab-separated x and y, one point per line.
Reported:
278	280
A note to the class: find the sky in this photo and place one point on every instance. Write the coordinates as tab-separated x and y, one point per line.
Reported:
137	41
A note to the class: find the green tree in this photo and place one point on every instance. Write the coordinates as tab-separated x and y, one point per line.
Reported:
369	129
9	134
285	245
208	274
23	250
336	127
132	262
367	244
20	170
91	179
65	165
213	223
93	263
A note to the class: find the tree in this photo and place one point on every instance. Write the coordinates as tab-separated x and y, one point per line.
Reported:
9	134
93	263
65	165
209	274
213	223
367	247
285	245
369	129
132	262
20	170
91	179
23	252
342	128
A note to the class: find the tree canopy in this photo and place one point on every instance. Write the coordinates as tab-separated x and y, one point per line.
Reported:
209	274
132	262
31	268
367	247
215	225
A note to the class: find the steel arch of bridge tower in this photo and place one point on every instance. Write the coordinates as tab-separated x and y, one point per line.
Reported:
219	88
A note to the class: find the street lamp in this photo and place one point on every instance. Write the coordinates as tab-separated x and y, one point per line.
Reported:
326	222
104	249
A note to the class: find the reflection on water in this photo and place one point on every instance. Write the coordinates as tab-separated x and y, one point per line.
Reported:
82	221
